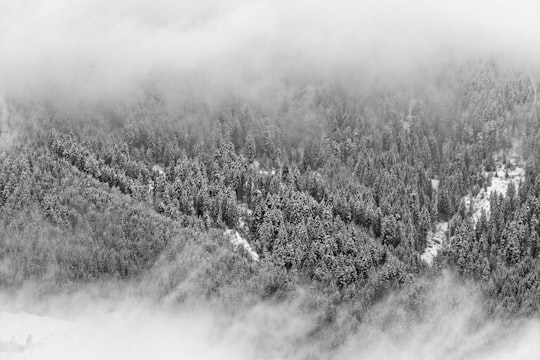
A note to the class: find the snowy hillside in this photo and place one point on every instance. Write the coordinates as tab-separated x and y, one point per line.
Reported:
504	175
500	180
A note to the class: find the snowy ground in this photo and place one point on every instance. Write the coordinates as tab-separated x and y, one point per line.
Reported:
435	241
236	238
500	179
435	184
257	166
499	185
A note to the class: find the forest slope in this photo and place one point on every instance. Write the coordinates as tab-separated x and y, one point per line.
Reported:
342	205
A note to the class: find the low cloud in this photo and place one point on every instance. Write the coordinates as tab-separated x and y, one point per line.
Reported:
447	322
88	50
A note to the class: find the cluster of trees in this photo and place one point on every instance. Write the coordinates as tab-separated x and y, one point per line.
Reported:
59	224
332	190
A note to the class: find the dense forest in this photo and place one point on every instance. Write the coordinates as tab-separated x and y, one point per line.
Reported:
329	189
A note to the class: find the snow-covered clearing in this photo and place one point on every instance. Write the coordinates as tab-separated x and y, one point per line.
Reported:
267	172
435	184
157	170
257	166
435	241
500	180
236	238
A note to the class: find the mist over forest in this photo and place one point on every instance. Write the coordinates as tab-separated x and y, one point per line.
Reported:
269	179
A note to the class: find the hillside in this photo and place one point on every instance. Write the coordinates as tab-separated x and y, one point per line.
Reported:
353	198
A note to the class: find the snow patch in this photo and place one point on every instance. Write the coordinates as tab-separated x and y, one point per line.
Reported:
499	185
236	237
237	240
257	167
267	172
500	179
435	184
435	241
158	170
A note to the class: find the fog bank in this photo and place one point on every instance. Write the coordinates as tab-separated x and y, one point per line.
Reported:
88	49
450	324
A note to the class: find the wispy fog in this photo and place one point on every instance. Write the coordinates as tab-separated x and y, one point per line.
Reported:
97	49
450	325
